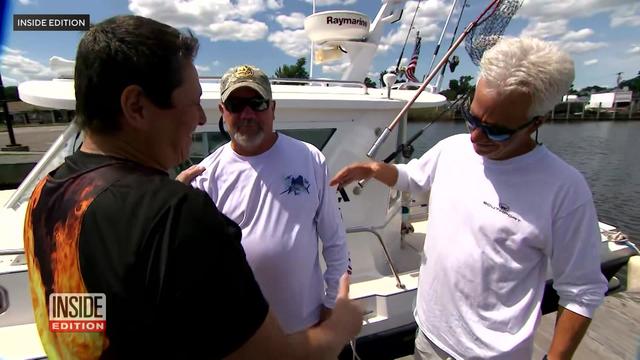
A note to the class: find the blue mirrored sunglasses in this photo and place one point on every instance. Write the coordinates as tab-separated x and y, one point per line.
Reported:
493	132
236	105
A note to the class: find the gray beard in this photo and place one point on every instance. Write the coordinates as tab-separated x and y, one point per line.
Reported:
248	142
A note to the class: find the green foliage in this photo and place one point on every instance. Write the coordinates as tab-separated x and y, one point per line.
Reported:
11	93
449	94
573	91
458	88
297	71
382	73
370	83
633	84
591	89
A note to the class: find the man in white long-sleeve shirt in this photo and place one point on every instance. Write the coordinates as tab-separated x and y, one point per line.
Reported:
502	208
276	188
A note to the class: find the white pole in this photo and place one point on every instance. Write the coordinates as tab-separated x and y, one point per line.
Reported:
313	11
444	28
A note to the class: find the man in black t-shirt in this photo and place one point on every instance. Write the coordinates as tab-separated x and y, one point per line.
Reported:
111	221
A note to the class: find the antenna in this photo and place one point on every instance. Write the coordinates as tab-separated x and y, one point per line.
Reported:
407	37
619	78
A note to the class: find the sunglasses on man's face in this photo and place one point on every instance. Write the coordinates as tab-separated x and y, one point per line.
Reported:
493	132
237	105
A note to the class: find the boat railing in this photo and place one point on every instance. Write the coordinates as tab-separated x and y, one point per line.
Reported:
311	82
362	229
42	167
4	252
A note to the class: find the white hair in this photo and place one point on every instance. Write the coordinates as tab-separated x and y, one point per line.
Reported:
531	66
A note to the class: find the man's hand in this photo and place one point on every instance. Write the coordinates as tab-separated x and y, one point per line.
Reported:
346	317
189	174
385	173
353	172
325	313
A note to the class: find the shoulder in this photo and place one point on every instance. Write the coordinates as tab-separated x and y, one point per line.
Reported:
563	169
455	141
218	155
298	147
569	181
149	195
451	143
451	146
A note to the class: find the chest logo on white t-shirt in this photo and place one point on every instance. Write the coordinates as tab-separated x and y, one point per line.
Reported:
295	185
502	208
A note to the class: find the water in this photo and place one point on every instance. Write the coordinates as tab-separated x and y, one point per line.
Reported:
607	153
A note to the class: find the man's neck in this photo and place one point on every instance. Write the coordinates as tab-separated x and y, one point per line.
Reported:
120	147
525	148
520	150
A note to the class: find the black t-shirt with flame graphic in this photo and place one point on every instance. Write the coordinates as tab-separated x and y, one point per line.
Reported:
175	275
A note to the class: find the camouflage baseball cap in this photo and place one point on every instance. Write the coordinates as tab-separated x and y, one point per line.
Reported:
245	75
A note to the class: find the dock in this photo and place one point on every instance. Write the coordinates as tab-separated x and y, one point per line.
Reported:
15	165
614	333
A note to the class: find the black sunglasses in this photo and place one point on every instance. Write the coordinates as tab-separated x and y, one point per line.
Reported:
493	132
236	105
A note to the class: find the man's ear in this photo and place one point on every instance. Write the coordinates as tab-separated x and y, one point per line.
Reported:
133	103
537	122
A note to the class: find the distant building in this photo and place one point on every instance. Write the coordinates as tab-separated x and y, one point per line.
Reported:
609	100
24	113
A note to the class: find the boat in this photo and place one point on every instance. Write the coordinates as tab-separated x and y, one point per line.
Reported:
342	118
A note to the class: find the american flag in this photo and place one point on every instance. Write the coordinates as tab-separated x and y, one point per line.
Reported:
411	68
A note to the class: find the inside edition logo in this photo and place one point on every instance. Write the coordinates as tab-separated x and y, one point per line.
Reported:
77	312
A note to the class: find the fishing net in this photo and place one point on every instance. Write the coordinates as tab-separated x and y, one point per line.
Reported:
490	28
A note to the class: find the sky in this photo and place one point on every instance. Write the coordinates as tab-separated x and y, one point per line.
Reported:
600	35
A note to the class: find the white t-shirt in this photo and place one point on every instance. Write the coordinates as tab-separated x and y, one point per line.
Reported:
493	228
282	201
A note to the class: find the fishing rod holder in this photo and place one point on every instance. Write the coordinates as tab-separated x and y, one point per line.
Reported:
376	146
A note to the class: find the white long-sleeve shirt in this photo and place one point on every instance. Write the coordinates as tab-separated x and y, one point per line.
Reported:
283	203
493	228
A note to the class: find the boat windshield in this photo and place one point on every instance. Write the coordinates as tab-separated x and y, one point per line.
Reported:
204	143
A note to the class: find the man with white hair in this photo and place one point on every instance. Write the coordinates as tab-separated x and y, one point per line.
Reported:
502	209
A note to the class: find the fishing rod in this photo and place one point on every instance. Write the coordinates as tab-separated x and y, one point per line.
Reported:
405	148
455	31
444	28
486	31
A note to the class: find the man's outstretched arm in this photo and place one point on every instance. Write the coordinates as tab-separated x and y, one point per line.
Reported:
385	173
569	331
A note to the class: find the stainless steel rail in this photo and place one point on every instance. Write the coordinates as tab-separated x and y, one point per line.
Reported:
362	229
327	82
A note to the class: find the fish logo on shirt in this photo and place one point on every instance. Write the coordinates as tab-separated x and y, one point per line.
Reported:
296	185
